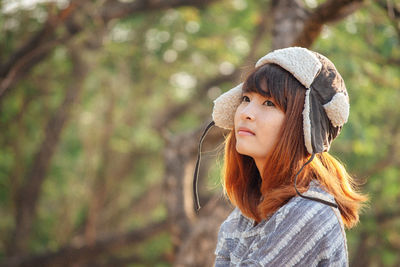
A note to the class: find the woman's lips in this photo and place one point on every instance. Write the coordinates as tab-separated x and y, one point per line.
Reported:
245	132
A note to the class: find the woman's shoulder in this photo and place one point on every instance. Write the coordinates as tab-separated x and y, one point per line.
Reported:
235	222
302	232
308	230
308	212
298	211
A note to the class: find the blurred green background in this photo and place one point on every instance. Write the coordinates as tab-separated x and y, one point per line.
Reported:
102	103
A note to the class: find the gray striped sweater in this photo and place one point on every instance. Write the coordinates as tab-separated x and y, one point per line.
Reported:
301	233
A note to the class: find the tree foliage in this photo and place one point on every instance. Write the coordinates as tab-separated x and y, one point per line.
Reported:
102	104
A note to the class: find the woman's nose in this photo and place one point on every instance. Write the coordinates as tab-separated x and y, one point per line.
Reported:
248	112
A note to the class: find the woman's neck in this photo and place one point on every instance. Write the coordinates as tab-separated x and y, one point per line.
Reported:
260	164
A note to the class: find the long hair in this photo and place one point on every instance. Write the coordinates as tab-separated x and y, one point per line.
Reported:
259	196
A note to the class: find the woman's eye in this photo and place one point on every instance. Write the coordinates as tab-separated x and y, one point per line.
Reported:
245	99
269	103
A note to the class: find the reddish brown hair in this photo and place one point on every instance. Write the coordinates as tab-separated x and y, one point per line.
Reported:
259	196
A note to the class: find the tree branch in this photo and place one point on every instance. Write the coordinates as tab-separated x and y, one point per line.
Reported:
385	216
328	12
78	253
43	42
116	9
390	159
35	50
393	14
392	11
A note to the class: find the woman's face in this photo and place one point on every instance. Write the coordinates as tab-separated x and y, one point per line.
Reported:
257	125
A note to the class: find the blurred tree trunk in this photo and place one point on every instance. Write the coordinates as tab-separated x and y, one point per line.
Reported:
101	184
29	192
197	249
178	151
289	16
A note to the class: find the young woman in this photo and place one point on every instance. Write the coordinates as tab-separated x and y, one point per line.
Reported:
292	198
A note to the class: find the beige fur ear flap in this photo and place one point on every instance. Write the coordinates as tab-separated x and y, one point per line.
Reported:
225	107
338	109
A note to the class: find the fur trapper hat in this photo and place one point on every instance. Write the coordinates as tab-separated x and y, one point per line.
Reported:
326	105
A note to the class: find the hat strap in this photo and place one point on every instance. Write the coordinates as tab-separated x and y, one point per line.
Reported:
307	197
196	170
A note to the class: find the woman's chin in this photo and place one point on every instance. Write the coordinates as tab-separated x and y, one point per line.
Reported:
242	151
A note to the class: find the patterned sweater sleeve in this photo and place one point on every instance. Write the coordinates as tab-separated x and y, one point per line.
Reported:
225	244
303	233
